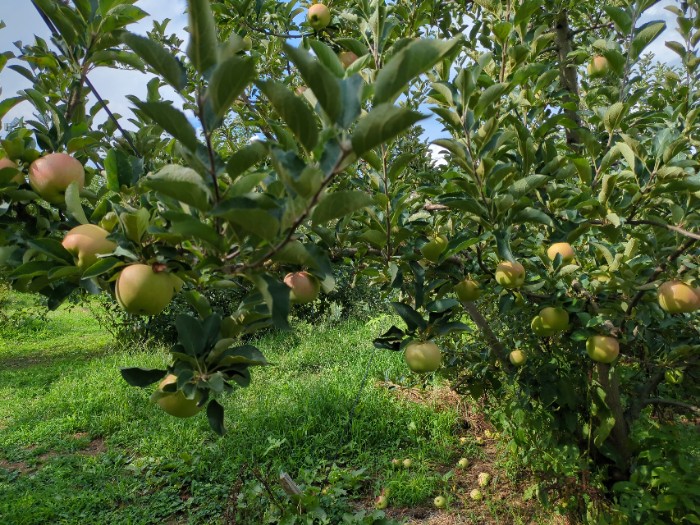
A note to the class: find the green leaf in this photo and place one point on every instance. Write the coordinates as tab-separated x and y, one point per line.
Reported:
215	415
294	111
171	120
102	266
613	116
187	226
414	59
622	19
159	58
142	376
339	204
524	186
412	318
533	215
246	157
7	104
324	85
327	57
121	169
276	296
256	221
644	36
383	123
488	98
228	81
203	40
181	183
190	334
53	248
73	205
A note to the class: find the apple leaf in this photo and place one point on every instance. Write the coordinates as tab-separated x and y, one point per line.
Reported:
171	120
121	169
276	296
203	41
102	266
228	80
73	205
644	36
160	59
215	415
190	333
412	318
324	85
390	340
293	110
181	183
382	124
142	376
339	204
53	248
414	59
246	157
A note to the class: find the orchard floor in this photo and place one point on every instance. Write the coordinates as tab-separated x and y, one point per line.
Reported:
78	445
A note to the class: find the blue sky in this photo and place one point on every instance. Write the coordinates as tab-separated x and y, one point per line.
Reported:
23	21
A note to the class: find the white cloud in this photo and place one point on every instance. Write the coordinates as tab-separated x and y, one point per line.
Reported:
437	155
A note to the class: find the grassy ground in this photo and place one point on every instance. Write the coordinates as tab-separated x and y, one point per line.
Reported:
78	445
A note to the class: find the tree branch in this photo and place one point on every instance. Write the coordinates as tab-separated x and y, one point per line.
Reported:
672	402
492	339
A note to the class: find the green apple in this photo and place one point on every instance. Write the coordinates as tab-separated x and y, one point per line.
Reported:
175	403
554	319
561	248
463	463
407	463
86	242
510	274
517	357
304	287
676	297
247	43
467	290
50	176
142	291
463	440
432	250
602	348
319	16
396	462
440	502
598	66
423	356
476	495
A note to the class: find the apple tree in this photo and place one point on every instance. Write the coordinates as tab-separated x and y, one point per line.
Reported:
549	263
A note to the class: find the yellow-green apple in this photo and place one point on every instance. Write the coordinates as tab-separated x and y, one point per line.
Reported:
86	242
319	16
554	319
423	356
561	248
602	348
7	163
484	479
676	297
304	287
598	66
440	502
467	290
517	357
50	176
175	403
463	463
432	250
537	326
510	274
247	43
407	463
142	291
347	58
476	495
381	502
396	462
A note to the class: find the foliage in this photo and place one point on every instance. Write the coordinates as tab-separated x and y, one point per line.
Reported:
536	152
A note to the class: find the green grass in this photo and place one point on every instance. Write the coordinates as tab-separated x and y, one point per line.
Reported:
62	392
